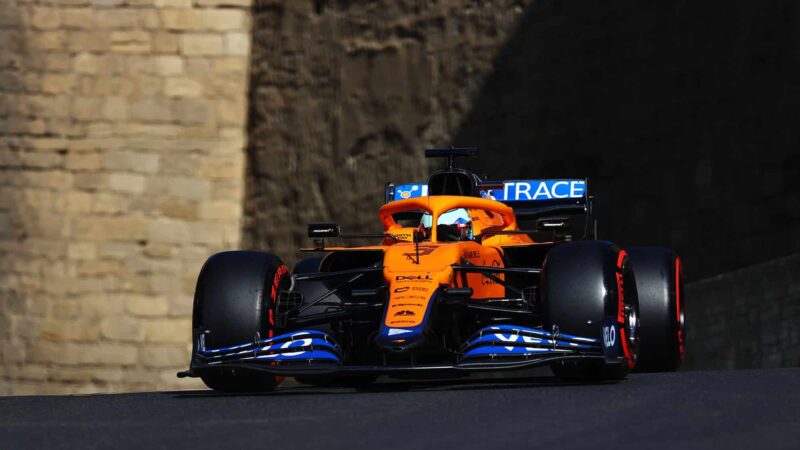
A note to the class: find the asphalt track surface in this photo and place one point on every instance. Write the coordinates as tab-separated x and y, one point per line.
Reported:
735	409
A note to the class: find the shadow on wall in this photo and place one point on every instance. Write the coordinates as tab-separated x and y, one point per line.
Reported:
344	96
683	115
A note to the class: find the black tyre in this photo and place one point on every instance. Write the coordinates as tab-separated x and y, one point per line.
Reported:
580	289
234	303
659	281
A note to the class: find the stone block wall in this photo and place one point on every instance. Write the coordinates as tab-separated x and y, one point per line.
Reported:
122	135
746	319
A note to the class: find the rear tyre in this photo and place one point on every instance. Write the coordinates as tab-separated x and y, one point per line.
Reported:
234	304
659	281
580	289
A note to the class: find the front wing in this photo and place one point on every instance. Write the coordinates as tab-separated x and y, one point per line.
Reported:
500	347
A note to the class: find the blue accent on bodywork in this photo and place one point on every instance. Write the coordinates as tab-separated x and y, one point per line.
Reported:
404	191
513	190
538	190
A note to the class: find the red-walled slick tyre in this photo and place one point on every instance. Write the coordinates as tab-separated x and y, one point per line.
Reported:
234	303
584	284
659	281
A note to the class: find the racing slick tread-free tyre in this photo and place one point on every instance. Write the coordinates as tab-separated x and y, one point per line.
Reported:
579	290
234	303
659	282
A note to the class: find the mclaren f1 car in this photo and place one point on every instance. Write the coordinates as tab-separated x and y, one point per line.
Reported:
468	275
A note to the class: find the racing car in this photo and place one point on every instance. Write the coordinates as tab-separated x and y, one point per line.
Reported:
468	275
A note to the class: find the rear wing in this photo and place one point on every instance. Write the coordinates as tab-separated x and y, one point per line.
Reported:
532	201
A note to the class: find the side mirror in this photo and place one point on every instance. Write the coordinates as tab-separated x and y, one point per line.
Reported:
552	224
323	230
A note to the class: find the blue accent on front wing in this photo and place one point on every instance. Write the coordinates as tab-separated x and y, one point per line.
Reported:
273	340
525	341
306	345
513	190
492	351
521	342
305	356
280	347
513	329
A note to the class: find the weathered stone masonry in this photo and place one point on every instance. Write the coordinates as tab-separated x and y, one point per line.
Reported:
122	130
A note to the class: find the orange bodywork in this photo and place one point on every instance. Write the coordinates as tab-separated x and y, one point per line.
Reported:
413	275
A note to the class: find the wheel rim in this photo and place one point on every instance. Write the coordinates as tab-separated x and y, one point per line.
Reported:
631	314
632	328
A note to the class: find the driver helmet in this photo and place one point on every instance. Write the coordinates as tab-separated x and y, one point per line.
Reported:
458	218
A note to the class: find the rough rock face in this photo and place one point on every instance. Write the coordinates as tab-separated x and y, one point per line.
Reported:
345	95
682	117
122	129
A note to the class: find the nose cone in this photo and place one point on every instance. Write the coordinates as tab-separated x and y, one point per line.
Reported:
406	317
414	276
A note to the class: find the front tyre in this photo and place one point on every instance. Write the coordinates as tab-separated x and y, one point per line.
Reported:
584	284
234	304
659	281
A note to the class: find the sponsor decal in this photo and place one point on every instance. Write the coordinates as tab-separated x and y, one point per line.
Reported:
409	297
299	343
472	254
405	191
396	331
513	190
322	231
516	337
414	278
402	289
276	282
407	305
527	190
402	323
404	312
609	336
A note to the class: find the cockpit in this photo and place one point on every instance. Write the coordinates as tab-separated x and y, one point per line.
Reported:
452	226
